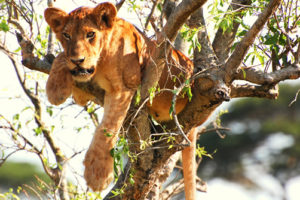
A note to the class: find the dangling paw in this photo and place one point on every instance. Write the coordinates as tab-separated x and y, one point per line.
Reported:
59	83
98	167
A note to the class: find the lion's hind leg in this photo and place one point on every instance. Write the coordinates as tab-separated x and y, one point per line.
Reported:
59	83
189	167
98	160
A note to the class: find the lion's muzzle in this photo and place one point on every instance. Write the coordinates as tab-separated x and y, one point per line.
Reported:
79	71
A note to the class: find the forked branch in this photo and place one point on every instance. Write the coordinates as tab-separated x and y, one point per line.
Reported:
224	38
179	17
241	49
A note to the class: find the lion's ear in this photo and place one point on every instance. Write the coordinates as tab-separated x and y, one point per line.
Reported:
56	18
104	14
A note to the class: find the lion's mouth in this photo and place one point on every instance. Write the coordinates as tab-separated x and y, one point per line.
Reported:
79	71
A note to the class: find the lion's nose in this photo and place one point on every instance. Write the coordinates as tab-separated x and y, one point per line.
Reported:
77	61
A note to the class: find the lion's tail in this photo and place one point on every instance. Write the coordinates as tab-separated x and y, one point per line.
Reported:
189	167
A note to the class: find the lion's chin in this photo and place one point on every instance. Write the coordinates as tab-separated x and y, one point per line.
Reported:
82	74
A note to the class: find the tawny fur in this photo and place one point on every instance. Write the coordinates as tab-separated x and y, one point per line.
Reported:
111	53
189	167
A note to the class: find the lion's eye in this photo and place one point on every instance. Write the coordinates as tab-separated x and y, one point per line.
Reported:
67	36
90	35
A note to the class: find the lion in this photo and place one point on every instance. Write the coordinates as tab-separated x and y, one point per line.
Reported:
105	50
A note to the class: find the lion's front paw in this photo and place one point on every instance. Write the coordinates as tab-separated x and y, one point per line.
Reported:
58	96
59	86
98	168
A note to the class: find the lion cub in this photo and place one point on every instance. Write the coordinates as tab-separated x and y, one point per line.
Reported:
107	51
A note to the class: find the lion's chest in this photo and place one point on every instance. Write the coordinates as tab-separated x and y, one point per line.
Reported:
108	77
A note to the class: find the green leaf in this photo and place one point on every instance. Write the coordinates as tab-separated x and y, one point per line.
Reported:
151	94
37	131
159	7
271	40
4	26
223	24
244	72
112	152
138	96
49	110
171	110
189	93
16	117
282	40
90	109
261	59
200	151
131	180
242	33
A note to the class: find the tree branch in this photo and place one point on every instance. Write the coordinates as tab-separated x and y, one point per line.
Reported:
247	90
178	187
55	174
205	58
254	75
163	174
120	4
241	49
28	59
224	38
155	2
179	16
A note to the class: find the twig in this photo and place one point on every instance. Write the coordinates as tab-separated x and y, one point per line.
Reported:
295	98
33	190
155	2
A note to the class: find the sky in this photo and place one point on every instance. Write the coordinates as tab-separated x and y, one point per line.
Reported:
9	105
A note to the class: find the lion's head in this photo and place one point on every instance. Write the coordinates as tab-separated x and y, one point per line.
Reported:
82	34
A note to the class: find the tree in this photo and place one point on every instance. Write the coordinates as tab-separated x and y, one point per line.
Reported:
261	54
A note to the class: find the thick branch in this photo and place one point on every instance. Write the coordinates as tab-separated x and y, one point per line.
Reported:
247	90
240	51
28	59
205	58
179	16
254	75
163	174
224	38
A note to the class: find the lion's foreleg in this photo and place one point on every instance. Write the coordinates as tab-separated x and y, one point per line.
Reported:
189	167
59	83
98	160
80	96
